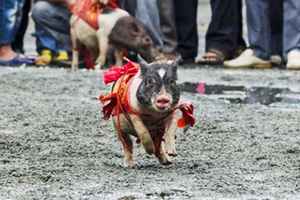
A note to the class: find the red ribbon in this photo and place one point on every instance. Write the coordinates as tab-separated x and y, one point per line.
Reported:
187	115
116	72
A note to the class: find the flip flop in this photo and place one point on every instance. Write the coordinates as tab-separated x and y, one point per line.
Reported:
216	59
17	61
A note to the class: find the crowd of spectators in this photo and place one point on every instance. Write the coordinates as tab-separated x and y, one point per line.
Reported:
273	29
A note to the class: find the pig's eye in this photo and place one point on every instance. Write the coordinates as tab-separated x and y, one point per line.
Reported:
147	41
149	82
171	81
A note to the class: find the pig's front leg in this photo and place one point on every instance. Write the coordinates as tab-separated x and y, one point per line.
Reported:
103	46
162	157
118	56
128	149
128	157
170	134
143	133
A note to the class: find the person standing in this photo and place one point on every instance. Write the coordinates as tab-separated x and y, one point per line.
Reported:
10	20
224	37
178	21
259	33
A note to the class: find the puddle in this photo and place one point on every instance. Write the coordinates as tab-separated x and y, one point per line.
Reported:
245	95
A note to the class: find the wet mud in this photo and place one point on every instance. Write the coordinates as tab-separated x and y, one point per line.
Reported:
54	144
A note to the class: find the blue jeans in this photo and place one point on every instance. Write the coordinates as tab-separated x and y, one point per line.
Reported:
259	31
147	13
10	19
52	26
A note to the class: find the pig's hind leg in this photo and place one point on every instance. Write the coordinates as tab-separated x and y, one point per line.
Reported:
103	47
75	53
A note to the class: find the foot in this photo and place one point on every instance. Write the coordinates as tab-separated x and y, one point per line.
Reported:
171	149
6	53
44	58
212	57
62	59
164	159
247	60
293	60
128	161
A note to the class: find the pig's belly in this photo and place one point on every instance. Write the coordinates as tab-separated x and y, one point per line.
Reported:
155	128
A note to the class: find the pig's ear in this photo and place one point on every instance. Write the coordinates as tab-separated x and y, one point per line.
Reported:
174	64
176	61
143	64
134	29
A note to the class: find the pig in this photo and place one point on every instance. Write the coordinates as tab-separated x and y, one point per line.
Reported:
154	96
116	27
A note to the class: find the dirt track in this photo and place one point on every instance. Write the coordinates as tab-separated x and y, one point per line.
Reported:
54	145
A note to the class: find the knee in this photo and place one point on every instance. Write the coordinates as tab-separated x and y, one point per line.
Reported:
40	10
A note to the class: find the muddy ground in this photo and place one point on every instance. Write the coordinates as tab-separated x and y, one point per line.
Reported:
54	145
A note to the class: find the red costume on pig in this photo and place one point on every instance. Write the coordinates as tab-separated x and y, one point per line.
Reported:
89	11
119	102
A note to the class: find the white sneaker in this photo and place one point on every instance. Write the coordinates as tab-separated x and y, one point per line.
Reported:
293	59
246	60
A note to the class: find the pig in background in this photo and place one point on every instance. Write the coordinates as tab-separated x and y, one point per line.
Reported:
150	106
116	27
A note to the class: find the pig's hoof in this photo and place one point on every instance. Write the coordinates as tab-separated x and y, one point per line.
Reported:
97	67
128	163
171	150
74	67
164	159
149	147
172	153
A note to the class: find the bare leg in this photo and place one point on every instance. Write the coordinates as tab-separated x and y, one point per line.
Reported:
6	53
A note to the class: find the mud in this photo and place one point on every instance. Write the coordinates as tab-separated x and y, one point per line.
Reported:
54	145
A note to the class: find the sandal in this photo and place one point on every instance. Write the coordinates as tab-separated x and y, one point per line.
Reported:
17	61
212	57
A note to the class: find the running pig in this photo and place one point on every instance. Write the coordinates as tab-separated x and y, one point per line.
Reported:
144	103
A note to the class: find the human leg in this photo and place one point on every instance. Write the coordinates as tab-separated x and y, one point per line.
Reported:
186	21
10	16
147	13
17	45
168	25
258	56
291	33
54	19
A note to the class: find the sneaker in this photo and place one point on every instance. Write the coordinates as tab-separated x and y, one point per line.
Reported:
44	58
62	59
247	60
293	60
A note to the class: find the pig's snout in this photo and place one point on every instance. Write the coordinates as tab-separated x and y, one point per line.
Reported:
162	102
